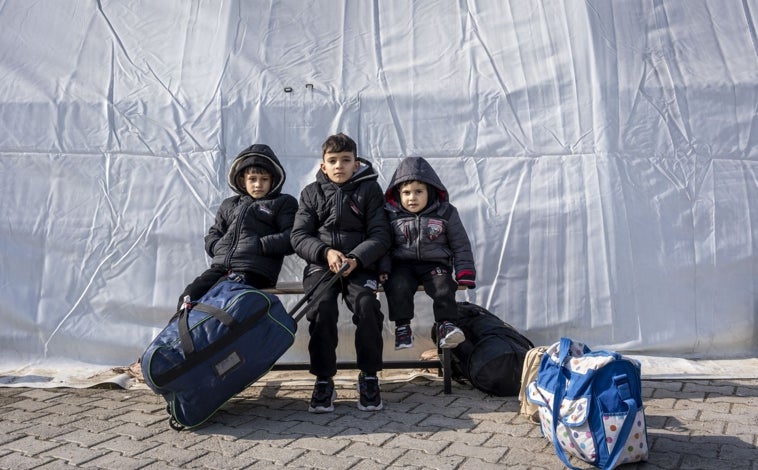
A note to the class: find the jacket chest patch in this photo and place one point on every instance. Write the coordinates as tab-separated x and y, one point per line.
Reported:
434	228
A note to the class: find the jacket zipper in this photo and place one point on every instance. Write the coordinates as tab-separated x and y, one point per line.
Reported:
235	240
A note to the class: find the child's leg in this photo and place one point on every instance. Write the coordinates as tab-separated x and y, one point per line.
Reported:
322	327
399	289
202	284
440	286
367	317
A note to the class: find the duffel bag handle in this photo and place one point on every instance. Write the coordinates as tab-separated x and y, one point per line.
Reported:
185	339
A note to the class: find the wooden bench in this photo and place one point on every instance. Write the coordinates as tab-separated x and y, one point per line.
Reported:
442	365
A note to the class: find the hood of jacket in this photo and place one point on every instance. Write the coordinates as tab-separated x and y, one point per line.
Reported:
258	155
416	169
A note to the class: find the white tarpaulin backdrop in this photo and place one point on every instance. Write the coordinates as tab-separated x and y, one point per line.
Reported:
603	156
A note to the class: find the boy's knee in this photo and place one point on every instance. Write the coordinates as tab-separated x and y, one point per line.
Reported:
367	302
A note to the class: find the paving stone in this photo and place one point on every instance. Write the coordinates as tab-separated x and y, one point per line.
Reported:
473	463
377	454
23	417
73	454
83	437
462	436
126	446
224	447
28	405
265	437
451	411
173	455
46	431
419	459
42	394
326	446
10	431
138	432
424	445
19	461
140	418
30	445
117	461
488	454
370	438
276	455
216	460
321	461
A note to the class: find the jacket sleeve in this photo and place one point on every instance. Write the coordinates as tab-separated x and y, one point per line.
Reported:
279	244
220	226
463	257
304	236
385	264
378	238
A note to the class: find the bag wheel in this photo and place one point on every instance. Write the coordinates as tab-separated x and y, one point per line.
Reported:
175	424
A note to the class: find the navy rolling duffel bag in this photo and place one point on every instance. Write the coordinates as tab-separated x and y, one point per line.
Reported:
214	348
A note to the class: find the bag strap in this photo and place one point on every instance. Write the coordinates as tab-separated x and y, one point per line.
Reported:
185	339
625	393
622	385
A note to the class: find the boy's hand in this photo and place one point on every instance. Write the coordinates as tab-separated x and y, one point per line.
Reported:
335	259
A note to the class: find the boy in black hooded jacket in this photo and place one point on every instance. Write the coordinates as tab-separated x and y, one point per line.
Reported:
429	243
341	220
251	233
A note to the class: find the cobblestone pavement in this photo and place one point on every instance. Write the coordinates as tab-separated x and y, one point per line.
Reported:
692	424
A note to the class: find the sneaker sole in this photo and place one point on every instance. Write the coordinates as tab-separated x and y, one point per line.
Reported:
452	340
369	407
403	346
324	409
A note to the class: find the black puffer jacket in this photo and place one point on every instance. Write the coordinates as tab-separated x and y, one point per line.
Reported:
249	234
348	218
436	234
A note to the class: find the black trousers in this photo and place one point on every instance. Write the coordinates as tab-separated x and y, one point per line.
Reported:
359	293
438	284
208	278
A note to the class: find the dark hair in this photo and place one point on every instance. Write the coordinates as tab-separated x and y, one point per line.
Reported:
339	143
256	169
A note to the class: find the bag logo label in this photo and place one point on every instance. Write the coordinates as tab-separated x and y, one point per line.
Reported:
225	365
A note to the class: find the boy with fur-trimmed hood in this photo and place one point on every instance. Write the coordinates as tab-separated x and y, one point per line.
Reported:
251	233
429	245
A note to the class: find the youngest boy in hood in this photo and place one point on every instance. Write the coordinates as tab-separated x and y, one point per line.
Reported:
429	245
251	233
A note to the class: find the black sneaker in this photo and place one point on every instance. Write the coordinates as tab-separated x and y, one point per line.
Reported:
322	400
403	337
450	335
369	397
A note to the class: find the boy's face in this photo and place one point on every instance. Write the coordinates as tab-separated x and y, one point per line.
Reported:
414	196
257	184
339	167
